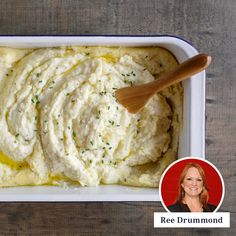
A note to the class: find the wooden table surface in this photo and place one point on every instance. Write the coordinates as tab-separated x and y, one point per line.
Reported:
210	26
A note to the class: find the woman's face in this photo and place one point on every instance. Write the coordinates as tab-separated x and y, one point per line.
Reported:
192	183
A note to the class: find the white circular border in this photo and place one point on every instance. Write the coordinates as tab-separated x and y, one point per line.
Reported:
196	158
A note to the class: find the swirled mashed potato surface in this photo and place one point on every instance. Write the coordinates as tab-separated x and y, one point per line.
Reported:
60	121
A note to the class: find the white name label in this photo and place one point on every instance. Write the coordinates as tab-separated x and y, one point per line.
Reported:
191	220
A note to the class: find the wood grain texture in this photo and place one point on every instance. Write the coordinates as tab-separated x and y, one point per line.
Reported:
210	26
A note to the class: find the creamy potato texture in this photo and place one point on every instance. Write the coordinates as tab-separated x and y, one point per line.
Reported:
60	121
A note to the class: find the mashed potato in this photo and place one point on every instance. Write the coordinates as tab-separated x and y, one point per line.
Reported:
60	121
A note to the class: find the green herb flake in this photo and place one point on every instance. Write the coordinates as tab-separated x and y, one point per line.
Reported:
111	122
102	93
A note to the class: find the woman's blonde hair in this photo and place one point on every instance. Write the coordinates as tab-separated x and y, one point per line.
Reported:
204	195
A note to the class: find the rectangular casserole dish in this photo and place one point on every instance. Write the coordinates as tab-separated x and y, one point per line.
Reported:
192	136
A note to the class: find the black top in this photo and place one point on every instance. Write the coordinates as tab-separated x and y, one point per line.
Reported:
178	207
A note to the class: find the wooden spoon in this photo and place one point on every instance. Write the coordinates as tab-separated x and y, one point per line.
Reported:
136	97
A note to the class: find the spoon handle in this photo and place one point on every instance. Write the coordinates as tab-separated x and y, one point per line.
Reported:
190	67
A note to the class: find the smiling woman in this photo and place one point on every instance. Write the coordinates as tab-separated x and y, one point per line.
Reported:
191	184
193	191
60	121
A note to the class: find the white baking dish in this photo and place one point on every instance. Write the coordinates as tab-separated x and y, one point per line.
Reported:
192	137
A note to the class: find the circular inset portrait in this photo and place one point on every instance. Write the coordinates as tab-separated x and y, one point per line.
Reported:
191	184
